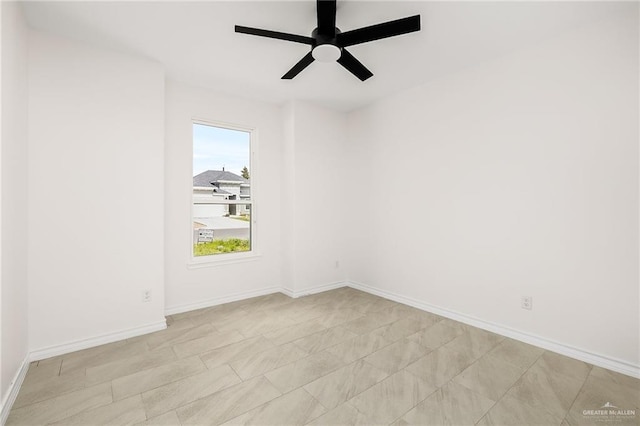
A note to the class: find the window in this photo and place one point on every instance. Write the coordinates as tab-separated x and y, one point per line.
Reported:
222	204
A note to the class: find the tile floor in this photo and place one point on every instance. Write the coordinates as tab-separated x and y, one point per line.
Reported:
341	357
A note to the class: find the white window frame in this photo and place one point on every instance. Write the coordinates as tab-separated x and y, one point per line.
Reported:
236	257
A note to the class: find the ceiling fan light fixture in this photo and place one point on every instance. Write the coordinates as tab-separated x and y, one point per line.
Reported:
326	53
328	43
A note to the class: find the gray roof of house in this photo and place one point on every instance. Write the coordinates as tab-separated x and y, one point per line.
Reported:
206	179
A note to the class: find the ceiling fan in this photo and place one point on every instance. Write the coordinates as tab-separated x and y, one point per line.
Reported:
328	43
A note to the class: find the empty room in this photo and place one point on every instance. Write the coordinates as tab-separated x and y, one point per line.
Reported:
319	213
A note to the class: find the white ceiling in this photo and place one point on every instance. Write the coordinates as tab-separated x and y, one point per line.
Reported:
197	44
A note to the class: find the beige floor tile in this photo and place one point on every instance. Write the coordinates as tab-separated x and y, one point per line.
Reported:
262	302
489	377
339	316
553	392
516	353
344	415
274	300
359	347
85	354
367	323
596	394
343	384
396	356
289	310
247	304
262	362
388	400
191	314
295	408
426	316
560	364
294	332
166	419
612	376
356	302
42	370
372	304
311	300
126	366
242	349
452	405
175	335
36	390
404	327
437	335
510	411
171	329
301	313
223	309
439	366
324	339
61	407
474	342
99	355
402	311
207	343
154	377
185	391
125	412
318	348
393	313
52	360
303	371
228	403
229	320
263	323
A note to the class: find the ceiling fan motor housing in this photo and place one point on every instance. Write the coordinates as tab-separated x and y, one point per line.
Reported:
321	38
325	48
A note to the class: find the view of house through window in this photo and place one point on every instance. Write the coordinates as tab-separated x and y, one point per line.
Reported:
221	190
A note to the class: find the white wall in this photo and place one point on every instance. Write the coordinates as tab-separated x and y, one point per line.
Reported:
188	287
13	153
96	195
522	175
316	203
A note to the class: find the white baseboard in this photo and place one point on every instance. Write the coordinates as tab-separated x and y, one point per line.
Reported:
77	345
178	309
603	361
253	293
313	290
13	390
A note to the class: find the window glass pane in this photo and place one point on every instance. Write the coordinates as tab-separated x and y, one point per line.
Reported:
221	190
222	234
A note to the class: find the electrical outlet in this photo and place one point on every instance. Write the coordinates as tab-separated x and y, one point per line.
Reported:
527	302
337	264
146	296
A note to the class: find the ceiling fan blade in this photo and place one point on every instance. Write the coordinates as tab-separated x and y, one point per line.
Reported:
326	10
354	66
275	34
297	68
378	31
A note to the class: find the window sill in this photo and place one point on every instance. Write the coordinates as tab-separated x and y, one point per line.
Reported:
225	259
